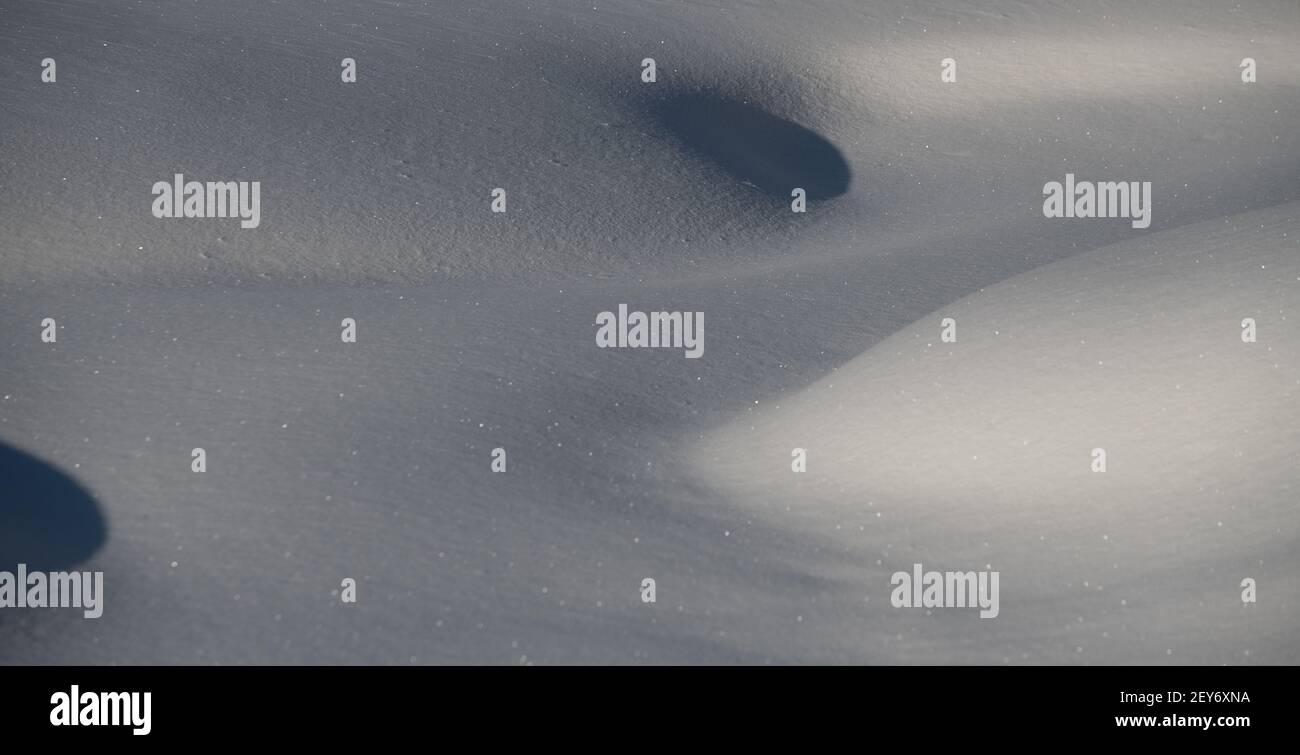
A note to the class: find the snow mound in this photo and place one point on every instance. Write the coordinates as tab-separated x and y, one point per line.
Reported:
981	452
1136	348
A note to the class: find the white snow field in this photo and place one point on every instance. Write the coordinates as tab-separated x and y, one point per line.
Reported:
475	330
980	450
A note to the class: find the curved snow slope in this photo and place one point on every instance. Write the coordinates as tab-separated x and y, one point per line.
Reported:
977	452
389	178
370	460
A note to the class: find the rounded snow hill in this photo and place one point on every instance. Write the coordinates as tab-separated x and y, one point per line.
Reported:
981	451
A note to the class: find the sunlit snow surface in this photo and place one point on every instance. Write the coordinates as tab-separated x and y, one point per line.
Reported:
475	331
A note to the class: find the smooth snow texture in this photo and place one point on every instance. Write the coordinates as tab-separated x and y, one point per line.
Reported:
389	179
372	460
956	454
1134	347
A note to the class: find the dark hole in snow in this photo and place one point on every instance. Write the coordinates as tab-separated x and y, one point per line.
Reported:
47	520
771	153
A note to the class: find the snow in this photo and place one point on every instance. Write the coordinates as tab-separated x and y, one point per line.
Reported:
981	449
372	460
